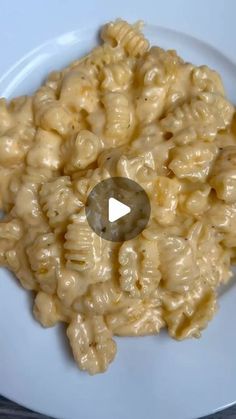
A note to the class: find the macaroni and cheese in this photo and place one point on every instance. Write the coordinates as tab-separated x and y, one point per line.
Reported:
125	109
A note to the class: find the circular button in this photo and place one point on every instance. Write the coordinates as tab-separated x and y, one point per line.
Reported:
118	209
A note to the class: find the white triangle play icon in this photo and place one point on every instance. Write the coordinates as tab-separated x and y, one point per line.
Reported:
116	209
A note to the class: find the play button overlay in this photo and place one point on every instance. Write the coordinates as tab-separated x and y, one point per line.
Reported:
118	209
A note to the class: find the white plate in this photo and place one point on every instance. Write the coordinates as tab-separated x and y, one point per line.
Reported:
152	377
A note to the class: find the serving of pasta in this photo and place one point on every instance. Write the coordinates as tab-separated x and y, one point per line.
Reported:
124	110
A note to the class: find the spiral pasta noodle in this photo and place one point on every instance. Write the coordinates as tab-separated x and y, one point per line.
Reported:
92	343
130	38
118	116
80	151
211	112
139	263
58	202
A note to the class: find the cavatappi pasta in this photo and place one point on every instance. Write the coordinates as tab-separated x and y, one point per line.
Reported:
123	110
